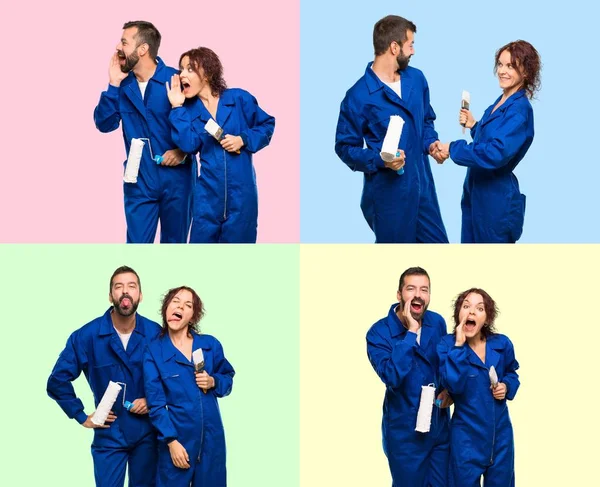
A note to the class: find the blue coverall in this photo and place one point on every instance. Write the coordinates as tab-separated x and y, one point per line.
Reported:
415	459
398	208
161	192
96	350
493	208
481	435
225	194
180	410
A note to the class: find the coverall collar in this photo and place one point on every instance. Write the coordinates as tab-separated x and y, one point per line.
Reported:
488	115
137	336
170	351
406	85
224	108
132	91
494	349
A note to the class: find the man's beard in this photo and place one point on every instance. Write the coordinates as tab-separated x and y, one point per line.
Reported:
130	310
130	62
402	61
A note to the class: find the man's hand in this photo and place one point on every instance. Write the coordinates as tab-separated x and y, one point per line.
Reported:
396	163
139	406
172	157
109	419
115	75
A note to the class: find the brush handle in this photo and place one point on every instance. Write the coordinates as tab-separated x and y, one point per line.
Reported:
400	171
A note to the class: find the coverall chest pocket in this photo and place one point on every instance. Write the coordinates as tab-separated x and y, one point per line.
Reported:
175	388
474	378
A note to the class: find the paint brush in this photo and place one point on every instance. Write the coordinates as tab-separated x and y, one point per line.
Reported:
464	104
214	129
198	358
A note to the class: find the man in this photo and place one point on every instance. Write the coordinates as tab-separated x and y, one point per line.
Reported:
398	208
136	96
402	350
111	348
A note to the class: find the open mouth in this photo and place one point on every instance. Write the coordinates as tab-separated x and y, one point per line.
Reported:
176	316
125	302
416	306
470	325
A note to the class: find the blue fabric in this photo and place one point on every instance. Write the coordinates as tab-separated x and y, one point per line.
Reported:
97	351
415	459
161	192
180	410
493	208
225	193
481	435
398	208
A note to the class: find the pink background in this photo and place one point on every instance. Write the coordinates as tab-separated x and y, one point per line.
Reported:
61	179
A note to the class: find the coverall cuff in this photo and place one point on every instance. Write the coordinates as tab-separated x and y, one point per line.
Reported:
410	338
113	91
379	162
244	138
81	417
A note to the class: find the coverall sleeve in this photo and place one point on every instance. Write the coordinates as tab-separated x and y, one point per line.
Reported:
71	362
223	372
496	151
454	367
260	125
429	133
349	143
511	378
391	363
183	133
157	400
106	114
474	130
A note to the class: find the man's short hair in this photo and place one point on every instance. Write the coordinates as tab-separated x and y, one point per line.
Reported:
389	29
146	34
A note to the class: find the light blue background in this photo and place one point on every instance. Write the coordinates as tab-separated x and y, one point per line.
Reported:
455	46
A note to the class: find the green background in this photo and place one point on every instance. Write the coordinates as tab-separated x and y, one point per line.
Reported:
251	296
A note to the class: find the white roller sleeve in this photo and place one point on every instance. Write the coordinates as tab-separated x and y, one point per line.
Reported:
391	141
106	403
425	408
493	376
132	168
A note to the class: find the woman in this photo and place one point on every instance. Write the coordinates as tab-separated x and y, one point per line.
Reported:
182	402
481	436
493	208
225	207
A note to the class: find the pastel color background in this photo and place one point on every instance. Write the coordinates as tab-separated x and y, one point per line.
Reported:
455	46
251	298
62	179
545	295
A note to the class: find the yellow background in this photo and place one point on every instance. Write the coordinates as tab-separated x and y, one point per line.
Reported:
547	296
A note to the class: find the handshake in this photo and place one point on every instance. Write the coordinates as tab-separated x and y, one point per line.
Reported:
439	151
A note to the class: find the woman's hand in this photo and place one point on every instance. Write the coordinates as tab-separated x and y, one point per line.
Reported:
499	391
232	143
465	118
176	96
179	456
204	381
460	333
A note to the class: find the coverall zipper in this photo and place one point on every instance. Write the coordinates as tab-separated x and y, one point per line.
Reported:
225	205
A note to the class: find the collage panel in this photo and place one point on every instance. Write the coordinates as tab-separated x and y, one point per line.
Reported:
522	177
81	121
349	292
250	298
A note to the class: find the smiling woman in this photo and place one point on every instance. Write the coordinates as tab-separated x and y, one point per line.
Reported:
182	394
493	208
